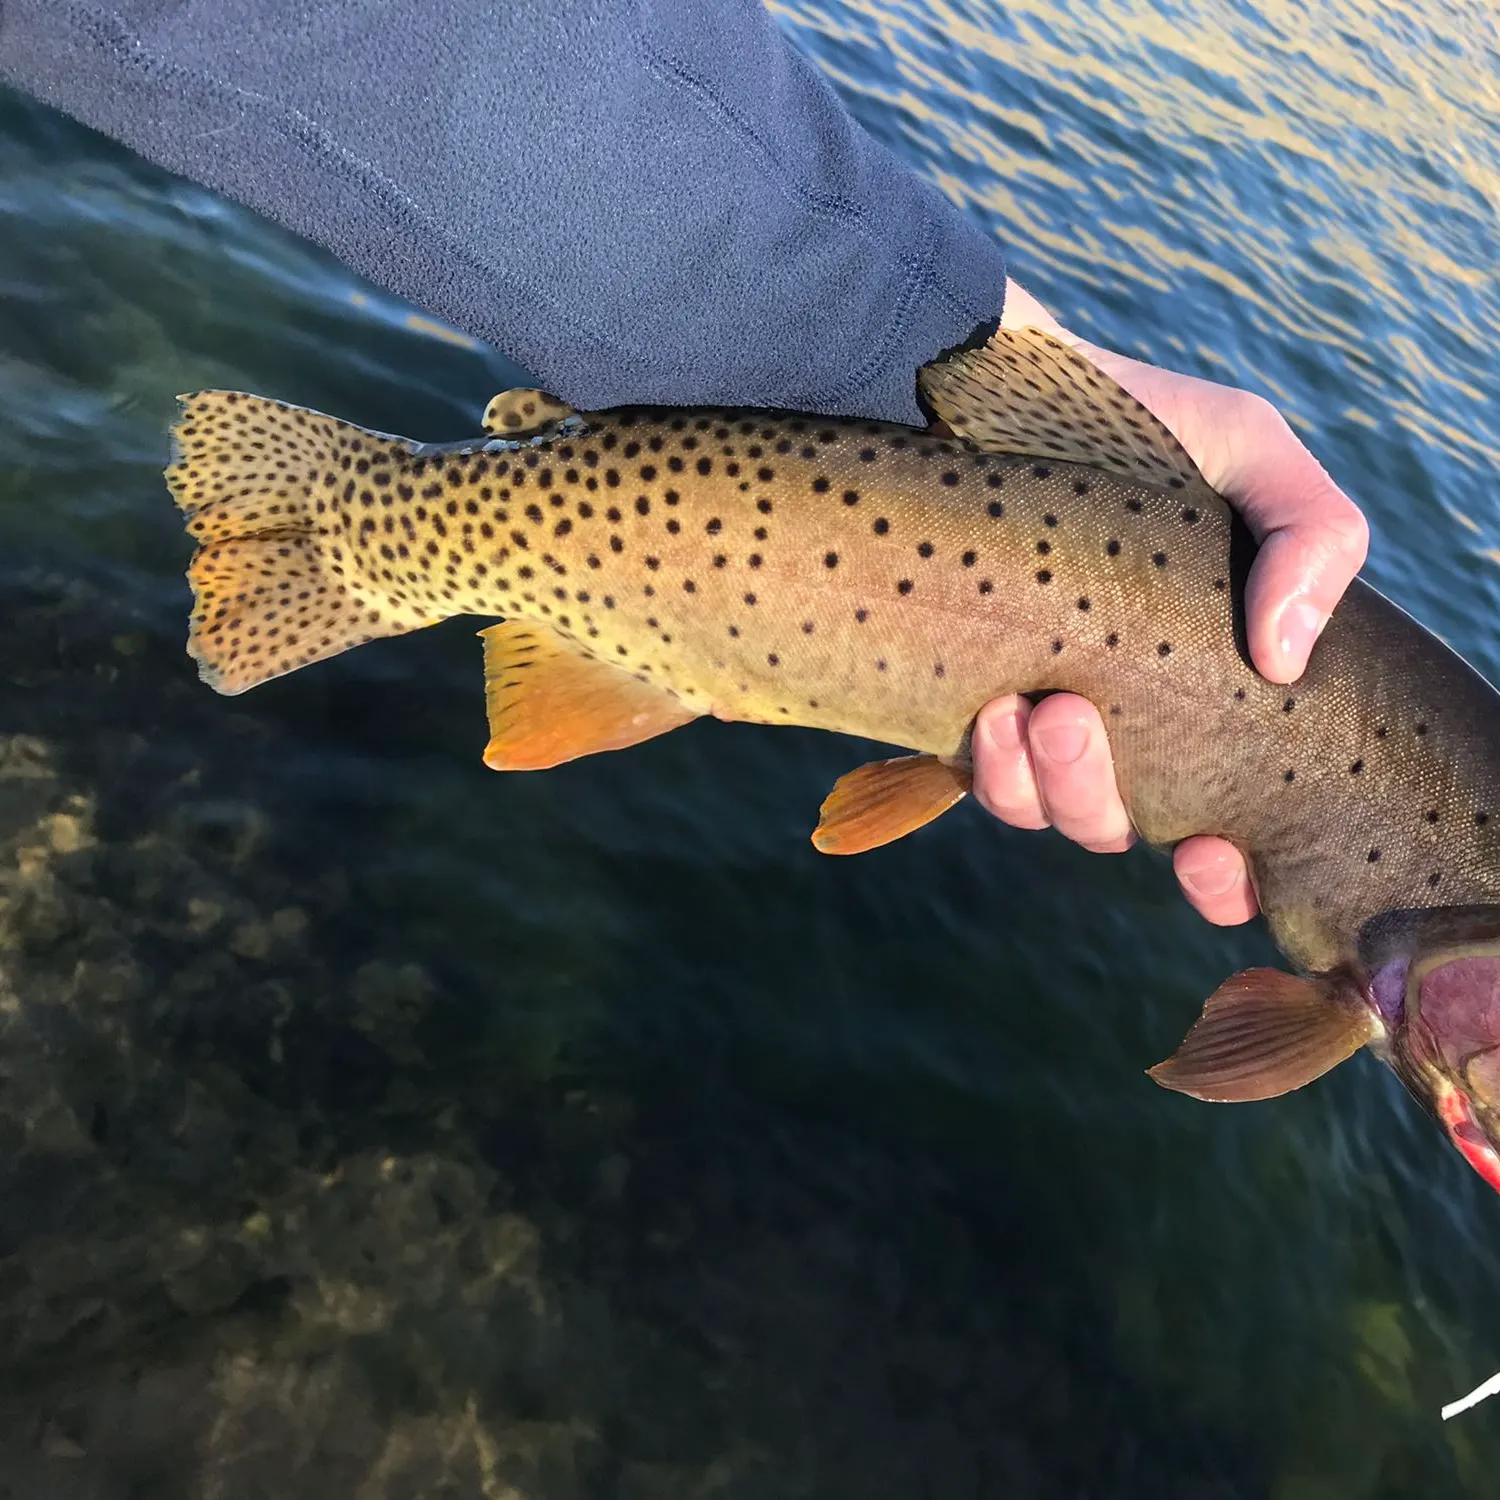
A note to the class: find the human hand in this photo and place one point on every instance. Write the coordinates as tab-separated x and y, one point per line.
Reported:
1051	765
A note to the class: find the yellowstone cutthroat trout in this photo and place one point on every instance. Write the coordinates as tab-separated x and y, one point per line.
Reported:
651	565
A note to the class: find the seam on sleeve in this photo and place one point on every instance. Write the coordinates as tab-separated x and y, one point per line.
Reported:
915	266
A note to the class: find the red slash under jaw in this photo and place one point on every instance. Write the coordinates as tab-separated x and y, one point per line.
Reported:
1454	1110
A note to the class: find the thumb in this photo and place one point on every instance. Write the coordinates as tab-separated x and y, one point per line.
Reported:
1313	540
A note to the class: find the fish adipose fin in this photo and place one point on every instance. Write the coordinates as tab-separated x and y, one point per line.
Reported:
272	590
524	411
1264	1033
886	800
1027	393
547	703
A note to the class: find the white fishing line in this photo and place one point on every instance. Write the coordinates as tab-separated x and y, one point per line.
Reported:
1490	1387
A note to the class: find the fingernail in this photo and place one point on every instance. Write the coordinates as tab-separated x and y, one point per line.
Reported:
1301	625
1212	879
1005	731
1063	743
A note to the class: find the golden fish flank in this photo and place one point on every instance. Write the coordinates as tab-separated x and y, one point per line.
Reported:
756	565
651	565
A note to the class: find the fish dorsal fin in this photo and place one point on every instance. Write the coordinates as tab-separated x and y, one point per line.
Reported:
1264	1033
886	800
524	411
548	703
1027	393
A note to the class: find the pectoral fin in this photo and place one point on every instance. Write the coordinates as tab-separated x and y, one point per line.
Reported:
548	704
886	800
1264	1033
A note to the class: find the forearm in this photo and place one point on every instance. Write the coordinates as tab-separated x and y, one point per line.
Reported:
658	200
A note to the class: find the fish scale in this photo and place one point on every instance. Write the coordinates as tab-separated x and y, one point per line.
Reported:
653	564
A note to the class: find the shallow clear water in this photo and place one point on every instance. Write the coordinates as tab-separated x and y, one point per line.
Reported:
371	1124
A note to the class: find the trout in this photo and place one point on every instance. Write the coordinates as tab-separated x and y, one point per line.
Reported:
650	565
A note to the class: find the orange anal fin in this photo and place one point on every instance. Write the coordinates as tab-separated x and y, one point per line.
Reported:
1264	1033
548	704
886	800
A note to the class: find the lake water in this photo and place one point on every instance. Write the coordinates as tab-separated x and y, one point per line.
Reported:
372	1125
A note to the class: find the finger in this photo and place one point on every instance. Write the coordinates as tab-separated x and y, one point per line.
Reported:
1004	781
1313	541
1213	877
1075	774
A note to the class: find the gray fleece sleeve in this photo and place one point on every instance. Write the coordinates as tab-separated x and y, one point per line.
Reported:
640	200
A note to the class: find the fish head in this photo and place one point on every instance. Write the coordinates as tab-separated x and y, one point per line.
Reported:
1440	1005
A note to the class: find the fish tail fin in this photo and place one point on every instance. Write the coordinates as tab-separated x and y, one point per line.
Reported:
266	489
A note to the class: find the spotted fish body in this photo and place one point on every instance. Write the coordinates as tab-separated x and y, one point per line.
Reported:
656	564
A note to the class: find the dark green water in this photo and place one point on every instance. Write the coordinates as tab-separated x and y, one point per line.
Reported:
372	1125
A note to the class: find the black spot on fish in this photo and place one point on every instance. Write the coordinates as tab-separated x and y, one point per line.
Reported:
1044	575
924	549
1159	558
820	484
1289	776
1288	704
1084	604
950	479
763	506
1080	486
1421	729
1049	520
750	599
861	615
705	466
986	587
1356	767
1040	471
1164	649
830	559
995	508
904	586
851	497
1433	815
1112	639
1190	515
1480	819
1373	856
1044	547
772	660
1134	506
867	455
1057	646
969	559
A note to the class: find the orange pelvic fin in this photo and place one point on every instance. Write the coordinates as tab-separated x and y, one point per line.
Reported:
548	704
1264	1033
885	800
